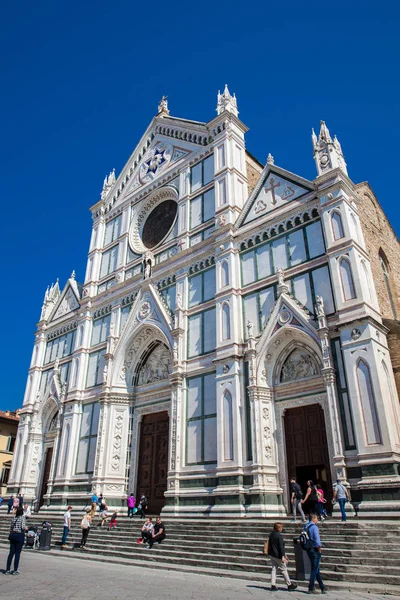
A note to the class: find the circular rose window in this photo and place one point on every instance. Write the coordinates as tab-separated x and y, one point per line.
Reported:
158	224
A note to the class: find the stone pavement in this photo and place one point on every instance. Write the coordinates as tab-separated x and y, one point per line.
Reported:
49	577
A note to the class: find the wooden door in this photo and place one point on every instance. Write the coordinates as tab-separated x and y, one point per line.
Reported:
307	447
46	474
153	460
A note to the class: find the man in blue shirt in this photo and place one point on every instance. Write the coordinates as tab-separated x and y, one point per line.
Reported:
314	554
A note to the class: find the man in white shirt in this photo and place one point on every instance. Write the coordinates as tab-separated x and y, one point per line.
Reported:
27	511
67	527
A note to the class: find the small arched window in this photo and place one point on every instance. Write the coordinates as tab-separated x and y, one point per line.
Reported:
224	273
356	228
226	322
346	278
367	280
76	370
368	404
337	225
386	276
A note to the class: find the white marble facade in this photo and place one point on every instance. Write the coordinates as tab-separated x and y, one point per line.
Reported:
224	308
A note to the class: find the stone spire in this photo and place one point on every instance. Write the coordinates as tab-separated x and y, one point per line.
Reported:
50	298
108	184
163	107
328	153
270	159
227	102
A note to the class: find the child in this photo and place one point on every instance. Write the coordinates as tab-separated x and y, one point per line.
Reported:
113	521
275	549
103	516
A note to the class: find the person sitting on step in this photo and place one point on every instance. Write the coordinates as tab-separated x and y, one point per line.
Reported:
147	529
158	534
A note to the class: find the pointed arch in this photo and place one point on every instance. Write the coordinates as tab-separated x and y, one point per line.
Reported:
356	228
346	278
337	225
367	280
393	401
224	273
226	321
368	403
386	277
227	425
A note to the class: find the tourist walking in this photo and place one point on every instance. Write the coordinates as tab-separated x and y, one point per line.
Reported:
102	503
314	554
16	539
143	506
67	527
95	500
342	496
322	514
131	501
296	496
311	497
275	549
10	504
15	505
85	526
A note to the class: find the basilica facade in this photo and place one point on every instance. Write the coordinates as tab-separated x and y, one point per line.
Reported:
236	327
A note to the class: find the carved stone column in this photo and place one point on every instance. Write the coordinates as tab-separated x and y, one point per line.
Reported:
177	393
328	373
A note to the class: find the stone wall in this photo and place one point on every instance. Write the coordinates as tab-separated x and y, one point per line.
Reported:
253	170
381	238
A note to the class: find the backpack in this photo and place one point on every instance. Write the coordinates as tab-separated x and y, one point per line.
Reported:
85	523
305	541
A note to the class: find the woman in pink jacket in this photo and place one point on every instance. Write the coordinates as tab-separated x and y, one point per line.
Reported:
131	501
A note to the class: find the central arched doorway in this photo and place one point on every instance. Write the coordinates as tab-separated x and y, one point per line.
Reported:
307	448
153	460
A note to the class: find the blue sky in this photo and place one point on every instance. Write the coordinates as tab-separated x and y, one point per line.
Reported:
81	82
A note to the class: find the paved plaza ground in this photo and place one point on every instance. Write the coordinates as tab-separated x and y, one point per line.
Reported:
50	577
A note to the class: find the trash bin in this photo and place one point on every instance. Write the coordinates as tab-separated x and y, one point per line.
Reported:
303	564
45	538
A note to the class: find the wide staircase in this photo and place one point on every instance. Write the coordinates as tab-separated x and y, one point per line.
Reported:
359	554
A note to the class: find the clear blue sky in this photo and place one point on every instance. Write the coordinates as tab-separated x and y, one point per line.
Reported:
82	80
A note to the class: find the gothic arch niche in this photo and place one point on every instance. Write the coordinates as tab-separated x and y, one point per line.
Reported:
299	364
132	346
154	364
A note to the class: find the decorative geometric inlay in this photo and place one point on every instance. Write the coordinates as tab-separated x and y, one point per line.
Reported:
157	160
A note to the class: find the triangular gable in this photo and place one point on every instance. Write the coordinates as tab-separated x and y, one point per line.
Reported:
67	302
287	312
166	142
275	188
148	313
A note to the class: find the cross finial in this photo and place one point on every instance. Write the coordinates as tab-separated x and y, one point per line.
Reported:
73	274
270	159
